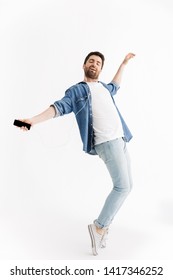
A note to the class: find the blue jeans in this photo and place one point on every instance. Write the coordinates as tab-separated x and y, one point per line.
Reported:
115	156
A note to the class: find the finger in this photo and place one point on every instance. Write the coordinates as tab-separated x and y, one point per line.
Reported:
24	128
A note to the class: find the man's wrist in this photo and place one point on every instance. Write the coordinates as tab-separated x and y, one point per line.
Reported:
124	62
32	121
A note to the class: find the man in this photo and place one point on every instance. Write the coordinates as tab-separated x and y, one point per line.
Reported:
103	132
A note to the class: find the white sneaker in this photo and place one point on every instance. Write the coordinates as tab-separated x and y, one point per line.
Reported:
96	239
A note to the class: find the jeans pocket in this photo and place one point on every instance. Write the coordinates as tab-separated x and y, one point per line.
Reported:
103	151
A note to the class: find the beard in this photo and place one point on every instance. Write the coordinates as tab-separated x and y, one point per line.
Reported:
91	74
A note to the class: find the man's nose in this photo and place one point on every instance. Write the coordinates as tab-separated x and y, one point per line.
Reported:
94	64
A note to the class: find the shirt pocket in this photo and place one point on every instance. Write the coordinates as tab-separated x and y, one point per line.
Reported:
81	99
80	103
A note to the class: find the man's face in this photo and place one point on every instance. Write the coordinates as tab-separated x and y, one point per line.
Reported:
93	67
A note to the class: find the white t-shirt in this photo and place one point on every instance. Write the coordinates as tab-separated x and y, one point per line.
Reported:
106	121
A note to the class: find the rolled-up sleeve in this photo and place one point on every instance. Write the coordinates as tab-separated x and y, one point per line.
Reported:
113	88
63	106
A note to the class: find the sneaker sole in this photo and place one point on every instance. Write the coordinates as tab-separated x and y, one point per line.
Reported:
93	245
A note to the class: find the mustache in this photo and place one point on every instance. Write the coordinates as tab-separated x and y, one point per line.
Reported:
92	68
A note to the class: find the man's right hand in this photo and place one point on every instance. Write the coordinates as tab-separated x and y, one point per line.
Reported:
24	128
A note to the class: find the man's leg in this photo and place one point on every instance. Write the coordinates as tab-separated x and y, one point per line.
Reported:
116	158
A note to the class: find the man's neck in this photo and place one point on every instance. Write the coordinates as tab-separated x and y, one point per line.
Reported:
89	80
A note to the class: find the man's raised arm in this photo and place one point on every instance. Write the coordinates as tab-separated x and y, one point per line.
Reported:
118	76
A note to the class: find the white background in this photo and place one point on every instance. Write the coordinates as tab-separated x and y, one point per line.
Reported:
50	190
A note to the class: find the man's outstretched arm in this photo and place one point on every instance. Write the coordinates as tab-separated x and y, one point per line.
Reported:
44	116
118	76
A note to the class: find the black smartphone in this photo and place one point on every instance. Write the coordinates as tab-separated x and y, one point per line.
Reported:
20	124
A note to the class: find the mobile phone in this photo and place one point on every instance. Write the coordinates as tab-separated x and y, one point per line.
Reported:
20	124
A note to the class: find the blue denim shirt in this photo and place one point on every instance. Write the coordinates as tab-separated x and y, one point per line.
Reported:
77	99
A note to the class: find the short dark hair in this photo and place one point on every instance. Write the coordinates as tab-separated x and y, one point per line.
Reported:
95	53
